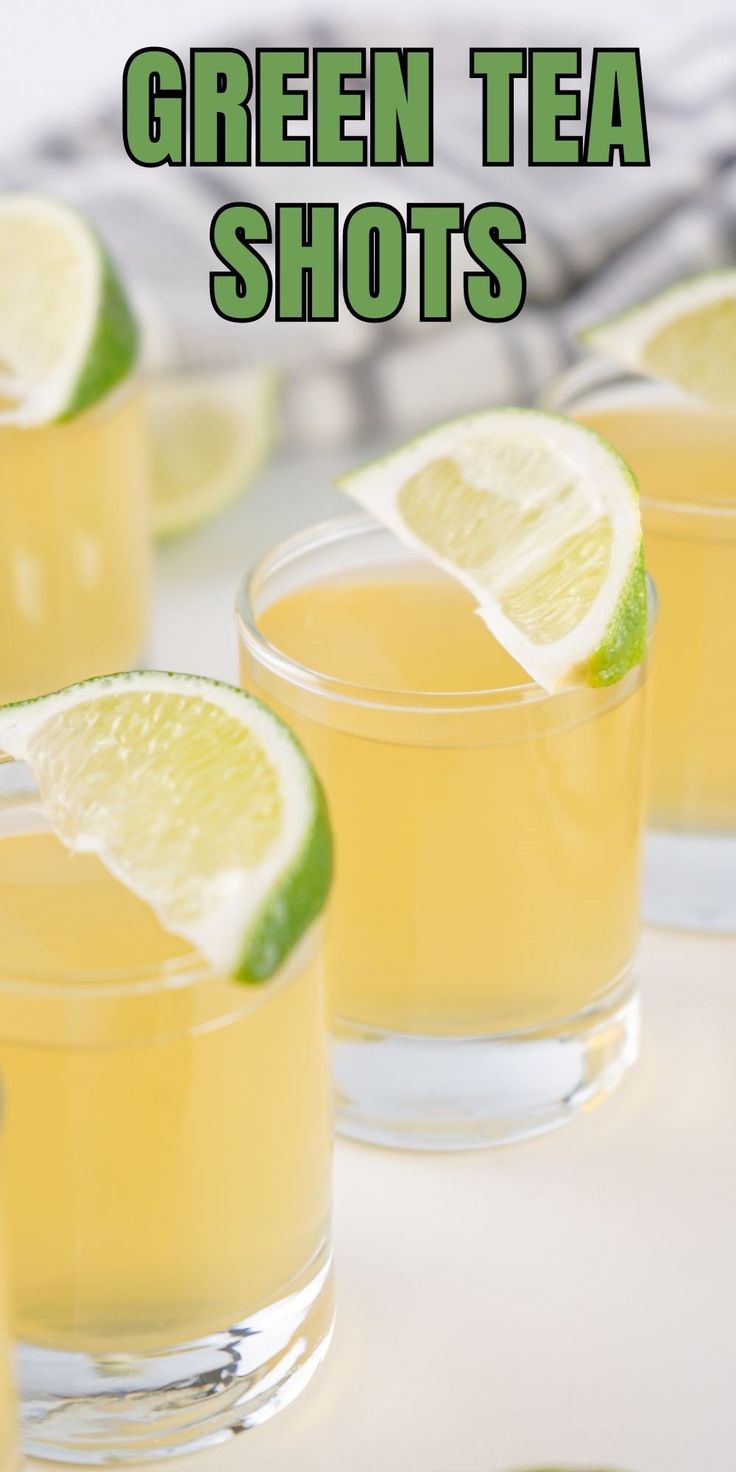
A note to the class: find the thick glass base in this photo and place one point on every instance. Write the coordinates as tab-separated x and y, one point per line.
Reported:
690	880
132	1408
420	1092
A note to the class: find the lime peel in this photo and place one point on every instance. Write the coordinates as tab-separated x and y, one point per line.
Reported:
67	333
113	351
193	794
538	517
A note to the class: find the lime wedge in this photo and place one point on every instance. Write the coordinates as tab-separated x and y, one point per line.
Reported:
195	796
210	435
685	336
539	519
67	335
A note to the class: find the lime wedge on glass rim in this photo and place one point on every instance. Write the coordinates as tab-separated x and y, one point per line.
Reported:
210	435
538	518
67	334
685	336
193	794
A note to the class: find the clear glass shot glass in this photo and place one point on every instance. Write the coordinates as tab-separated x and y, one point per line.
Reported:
74	546
482	932
684	456
168	1158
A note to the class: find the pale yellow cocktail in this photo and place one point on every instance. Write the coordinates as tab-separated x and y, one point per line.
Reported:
168	1145
74	546
487	835
684	457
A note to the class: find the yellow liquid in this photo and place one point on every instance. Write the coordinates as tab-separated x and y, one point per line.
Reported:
74	547
167	1149
487	863
688	456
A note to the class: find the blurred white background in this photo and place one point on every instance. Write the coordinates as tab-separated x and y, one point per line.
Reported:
58	59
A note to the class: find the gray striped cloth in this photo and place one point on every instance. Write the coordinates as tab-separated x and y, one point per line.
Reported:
597	239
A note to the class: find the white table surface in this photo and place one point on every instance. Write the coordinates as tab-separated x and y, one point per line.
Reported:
571	1300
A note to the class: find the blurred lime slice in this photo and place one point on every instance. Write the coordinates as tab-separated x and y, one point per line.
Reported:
685	336
195	796
67	334
211	434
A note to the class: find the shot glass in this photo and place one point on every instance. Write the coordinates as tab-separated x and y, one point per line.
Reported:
168	1152
482	932
74	546
684	456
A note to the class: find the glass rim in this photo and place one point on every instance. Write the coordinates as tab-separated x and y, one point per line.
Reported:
590	374
417	702
162	978
108	982
178	971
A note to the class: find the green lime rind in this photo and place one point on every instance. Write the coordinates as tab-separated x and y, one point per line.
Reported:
300	893
113	351
625	644
296	902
